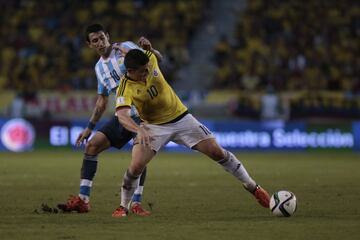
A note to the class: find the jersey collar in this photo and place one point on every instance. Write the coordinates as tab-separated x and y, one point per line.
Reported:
105	60
126	77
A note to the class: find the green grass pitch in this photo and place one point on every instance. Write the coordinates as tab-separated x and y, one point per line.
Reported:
190	196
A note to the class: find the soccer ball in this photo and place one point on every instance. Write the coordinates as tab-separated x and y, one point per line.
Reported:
283	203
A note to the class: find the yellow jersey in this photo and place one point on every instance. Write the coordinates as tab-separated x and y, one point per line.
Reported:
155	100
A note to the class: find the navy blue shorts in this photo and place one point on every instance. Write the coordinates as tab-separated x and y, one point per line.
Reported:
116	133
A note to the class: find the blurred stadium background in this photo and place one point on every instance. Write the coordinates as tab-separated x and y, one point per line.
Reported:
258	65
258	61
263	75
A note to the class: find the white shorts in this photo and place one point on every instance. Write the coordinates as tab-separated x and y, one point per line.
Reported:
187	131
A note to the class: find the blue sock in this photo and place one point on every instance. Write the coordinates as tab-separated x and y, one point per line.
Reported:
140	188
136	198
85	188
88	171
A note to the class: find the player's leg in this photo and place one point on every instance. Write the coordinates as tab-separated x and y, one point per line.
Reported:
110	134
141	155
98	143
135	205
196	136
232	165
119	137
226	159
140	188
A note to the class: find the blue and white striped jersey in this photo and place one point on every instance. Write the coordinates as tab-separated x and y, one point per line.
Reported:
109	71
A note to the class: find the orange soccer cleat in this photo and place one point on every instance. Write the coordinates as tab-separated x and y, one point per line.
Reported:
74	203
262	196
137	209
120	212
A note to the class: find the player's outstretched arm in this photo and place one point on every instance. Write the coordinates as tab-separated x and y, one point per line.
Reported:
98	111
145	44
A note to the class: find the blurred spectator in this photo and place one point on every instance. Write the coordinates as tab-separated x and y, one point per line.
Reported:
222	50
270	105
296	46
42	41
17	107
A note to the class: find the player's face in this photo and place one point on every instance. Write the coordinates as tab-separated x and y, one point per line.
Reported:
140	73
99	41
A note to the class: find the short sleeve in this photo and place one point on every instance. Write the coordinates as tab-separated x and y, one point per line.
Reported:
101	89
123	96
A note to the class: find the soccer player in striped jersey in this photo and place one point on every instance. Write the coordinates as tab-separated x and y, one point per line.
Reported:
109	70
166	119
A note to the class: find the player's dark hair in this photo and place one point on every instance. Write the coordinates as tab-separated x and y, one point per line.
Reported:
93	28
135	58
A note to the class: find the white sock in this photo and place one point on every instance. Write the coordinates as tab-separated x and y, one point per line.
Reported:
85	188
139	190
232	165
130	182
136	198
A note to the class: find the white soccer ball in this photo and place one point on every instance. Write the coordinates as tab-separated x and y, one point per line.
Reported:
283	203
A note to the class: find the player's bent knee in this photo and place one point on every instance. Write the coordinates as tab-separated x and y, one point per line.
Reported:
92	148
97	144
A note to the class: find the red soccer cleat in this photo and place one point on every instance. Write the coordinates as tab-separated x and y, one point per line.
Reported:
120	212
262	196
74	203
137	209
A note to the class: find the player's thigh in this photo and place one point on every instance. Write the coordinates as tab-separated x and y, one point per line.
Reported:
160	135
98	143
189	132
117	135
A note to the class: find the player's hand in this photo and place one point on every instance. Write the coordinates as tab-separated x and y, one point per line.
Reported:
145	44
83	136
117	47
143	136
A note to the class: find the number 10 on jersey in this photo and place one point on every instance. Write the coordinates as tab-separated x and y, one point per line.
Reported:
152	91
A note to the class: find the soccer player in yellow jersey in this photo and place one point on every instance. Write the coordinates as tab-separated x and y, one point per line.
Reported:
165	118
